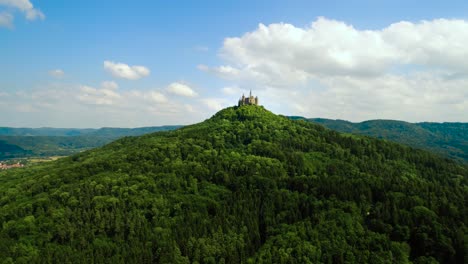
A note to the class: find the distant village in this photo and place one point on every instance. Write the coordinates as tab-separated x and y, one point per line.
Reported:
4	166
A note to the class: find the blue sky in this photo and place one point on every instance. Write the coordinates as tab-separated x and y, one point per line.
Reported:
332	59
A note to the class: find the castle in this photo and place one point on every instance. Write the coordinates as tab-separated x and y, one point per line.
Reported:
248	100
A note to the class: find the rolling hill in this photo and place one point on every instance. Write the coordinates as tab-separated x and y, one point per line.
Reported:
42	142
103	132
245	186
447	139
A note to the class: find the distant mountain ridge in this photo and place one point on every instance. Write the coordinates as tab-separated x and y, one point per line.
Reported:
448	139
40	142
104	131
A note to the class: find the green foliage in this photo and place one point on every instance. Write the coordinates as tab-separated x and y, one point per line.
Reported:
447	139
245	186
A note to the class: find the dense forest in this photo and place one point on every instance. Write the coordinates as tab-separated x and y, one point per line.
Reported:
45	142
447	139
245	186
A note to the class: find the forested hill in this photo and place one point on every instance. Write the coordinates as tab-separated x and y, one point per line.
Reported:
448	139
245	186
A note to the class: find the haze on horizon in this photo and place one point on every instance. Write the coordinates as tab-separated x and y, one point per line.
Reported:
148	63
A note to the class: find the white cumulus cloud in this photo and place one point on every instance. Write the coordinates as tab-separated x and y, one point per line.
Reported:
94	96
122	70
111	85
181	89
214	104
57	73
157	97
329	47
73	105
6	20
26	7
231	90
408	70
109	94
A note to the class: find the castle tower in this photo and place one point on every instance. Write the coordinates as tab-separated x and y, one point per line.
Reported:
250	100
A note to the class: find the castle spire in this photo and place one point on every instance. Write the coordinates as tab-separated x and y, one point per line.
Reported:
250	93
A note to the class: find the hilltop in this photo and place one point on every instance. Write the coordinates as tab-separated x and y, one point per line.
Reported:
245	186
